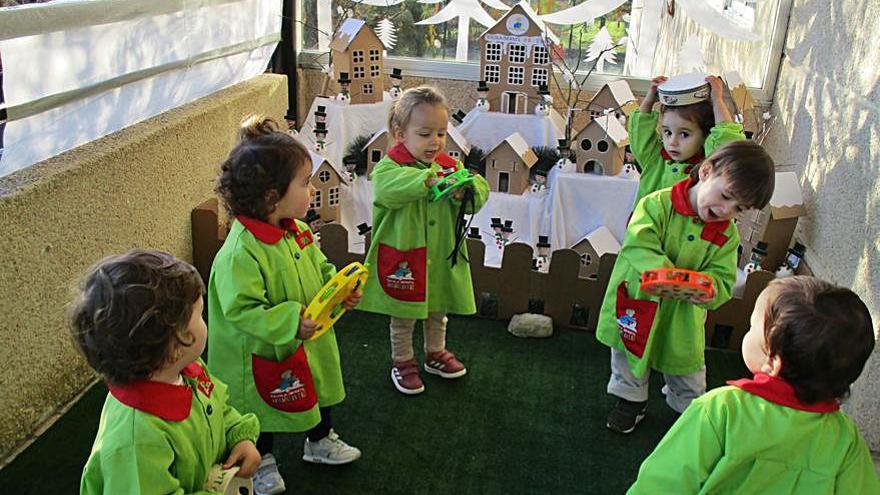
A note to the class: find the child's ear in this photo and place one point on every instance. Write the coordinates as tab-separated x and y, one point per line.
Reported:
705	170
397	133
773	366
271	197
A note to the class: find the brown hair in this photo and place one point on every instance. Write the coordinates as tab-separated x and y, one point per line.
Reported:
822	333
748	168
403	108
131	310
700	113
265	159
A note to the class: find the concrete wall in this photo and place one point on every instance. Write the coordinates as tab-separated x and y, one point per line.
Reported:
826	108
133	188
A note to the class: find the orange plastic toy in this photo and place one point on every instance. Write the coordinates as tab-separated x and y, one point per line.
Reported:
678	283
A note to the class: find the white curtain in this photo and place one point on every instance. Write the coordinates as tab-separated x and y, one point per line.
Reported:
78	70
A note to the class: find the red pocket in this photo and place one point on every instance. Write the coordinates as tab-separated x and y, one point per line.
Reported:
288	385
635	317
402	273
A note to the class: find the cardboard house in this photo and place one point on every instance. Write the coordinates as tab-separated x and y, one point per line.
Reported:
592	247
601	146
357	51
328	181
515	59
746	107
376	148
508	165
615	97
775	224
456	144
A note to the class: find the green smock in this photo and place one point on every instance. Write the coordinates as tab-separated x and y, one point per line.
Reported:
755	437
666	334
261	280
410	273
159	438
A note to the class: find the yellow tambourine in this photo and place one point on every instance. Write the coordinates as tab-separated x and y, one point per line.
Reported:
327	306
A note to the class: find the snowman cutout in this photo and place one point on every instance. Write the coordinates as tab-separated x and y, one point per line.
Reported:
542	109
482	104
320	135
542	260
564	164
344	95
396	78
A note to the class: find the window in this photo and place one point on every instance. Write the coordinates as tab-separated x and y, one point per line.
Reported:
602	146
586	259
492	75
358	72
493	52
515	75
586	145
503	182
517	53
455	154
316	201
593	167
419	45
357	56
541	55
332	196
375	155
368	89
374	55
324	176
374	71
539	76
595	113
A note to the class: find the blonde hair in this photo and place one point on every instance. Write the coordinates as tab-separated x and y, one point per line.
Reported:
409	100
257	125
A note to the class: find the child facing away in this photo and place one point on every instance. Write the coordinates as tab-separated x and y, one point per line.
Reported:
688	133
782	431
165	423
418	257
686	226
265	274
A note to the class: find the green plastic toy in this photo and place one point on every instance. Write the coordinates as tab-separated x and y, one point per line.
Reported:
450	183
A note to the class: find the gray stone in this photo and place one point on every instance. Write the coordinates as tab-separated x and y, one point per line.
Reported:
531	325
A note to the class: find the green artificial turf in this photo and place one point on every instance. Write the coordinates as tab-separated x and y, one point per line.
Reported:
529	417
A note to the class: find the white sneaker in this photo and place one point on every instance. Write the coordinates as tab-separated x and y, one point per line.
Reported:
267	479
330	450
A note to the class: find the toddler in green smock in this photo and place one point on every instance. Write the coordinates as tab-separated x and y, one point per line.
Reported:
419	268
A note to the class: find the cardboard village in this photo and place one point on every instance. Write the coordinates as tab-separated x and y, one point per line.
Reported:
547	191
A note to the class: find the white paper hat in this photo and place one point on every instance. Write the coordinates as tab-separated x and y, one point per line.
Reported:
682	90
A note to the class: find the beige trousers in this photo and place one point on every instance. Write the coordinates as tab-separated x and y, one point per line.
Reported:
434	329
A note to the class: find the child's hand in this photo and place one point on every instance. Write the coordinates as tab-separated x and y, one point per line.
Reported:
431	181
245	454
307	328
716	86
352	300
648	102
719	106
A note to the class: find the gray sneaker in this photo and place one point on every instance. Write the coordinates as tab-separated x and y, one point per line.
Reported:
330	450
267	479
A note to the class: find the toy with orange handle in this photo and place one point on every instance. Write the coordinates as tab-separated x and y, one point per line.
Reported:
328	305
678	283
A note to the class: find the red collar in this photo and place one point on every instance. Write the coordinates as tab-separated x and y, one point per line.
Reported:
167	401
712	231
270	234
401	155
779	391
694	160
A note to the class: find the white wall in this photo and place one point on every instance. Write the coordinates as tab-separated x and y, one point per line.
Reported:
827	105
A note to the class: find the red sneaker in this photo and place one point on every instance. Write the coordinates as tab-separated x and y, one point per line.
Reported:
443	363
405	376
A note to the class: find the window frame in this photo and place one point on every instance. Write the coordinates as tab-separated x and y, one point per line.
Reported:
472	71
497	74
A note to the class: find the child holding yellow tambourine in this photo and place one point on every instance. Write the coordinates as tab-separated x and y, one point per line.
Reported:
267	271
